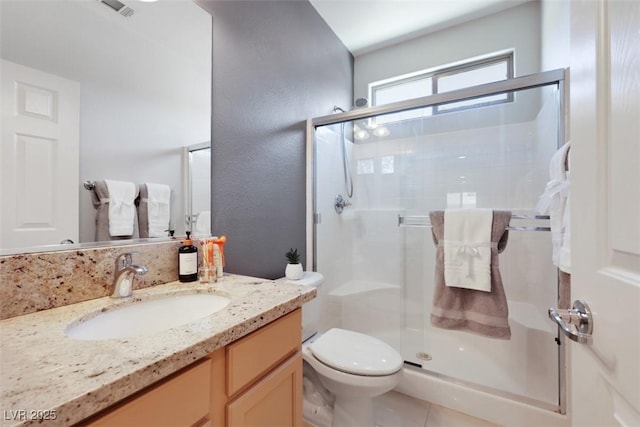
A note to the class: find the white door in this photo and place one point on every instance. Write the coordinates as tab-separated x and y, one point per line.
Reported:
38	157
605	134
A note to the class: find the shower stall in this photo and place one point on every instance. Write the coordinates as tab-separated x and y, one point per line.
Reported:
376	173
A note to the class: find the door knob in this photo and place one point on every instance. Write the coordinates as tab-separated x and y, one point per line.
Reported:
576	322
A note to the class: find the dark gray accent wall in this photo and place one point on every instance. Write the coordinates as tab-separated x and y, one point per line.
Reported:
275	64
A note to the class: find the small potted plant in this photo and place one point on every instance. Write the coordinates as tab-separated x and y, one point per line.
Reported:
294	268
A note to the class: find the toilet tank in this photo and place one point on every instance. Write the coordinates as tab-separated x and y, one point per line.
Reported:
311	309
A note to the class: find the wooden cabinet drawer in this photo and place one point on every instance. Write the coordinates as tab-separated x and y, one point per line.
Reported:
275	401
182	400
252	356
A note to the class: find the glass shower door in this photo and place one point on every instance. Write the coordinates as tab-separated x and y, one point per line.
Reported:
378	254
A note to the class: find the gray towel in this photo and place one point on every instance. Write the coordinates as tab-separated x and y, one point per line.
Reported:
484	313
564	289
143	217
100	200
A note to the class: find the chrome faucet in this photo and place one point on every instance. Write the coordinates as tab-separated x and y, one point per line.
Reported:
125	271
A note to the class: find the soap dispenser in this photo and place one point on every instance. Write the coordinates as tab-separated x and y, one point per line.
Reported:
188	260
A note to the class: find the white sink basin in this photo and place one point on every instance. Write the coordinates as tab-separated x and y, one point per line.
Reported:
146	317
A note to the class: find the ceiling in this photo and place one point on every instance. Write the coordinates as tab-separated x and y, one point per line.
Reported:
366	25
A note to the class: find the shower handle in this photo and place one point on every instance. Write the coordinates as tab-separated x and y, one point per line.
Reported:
580	317
340	203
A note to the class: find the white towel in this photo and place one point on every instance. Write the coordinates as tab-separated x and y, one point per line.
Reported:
121	207
555	202
202	227
467	248
158	209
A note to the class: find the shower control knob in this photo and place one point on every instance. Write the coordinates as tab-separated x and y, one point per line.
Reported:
341	203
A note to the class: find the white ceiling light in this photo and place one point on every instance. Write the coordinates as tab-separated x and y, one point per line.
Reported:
359	133
381	131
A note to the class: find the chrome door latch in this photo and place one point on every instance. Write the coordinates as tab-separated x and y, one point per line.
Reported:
576	322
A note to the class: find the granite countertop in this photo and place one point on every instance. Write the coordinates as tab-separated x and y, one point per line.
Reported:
44	374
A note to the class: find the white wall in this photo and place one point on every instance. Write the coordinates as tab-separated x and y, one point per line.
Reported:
516	28
145	84
555	34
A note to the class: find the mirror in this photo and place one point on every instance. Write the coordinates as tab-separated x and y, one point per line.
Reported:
144	77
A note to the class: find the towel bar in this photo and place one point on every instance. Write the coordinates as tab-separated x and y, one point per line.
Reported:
423	221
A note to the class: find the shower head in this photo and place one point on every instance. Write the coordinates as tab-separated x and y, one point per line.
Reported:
361	102
358	103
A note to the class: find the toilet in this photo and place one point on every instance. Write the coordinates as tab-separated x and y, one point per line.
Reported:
353	367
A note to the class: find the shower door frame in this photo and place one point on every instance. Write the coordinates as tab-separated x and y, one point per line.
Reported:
546	78
187	181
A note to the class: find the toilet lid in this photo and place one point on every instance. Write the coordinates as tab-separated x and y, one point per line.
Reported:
356	353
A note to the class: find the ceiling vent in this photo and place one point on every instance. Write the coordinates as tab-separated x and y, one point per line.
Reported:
119	7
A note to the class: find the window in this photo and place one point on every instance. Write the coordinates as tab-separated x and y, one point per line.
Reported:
443	80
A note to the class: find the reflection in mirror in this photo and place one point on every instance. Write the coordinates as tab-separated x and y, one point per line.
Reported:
100	95
198	190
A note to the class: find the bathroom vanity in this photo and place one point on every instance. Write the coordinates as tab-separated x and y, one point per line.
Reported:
257	379
233	367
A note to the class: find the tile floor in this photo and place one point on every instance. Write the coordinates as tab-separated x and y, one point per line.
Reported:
398	410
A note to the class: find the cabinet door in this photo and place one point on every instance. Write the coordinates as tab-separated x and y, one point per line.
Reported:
258	353
275	401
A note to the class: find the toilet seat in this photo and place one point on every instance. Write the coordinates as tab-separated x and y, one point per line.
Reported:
356	353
